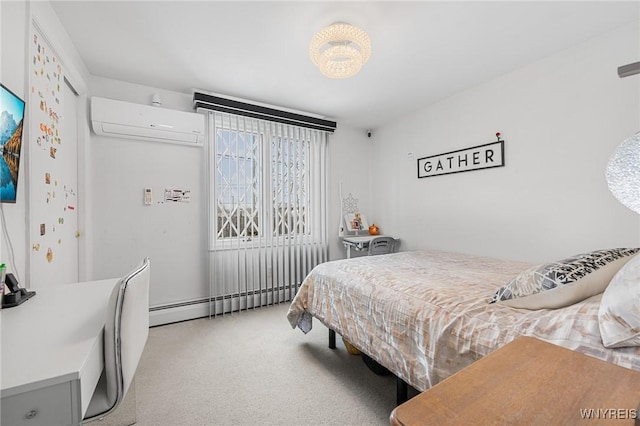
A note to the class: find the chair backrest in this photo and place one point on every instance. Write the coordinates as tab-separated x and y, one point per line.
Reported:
381	245
126	330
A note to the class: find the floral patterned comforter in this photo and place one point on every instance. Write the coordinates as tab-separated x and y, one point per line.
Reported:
426	314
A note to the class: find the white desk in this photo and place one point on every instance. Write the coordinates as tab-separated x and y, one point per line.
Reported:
358	243
52	354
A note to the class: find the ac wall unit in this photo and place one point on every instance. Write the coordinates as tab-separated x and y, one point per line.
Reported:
151	123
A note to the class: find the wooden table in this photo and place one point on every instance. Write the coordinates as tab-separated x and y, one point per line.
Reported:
529	382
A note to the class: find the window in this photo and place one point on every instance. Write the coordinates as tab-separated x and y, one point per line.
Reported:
262	180
290	186
267	186
237	183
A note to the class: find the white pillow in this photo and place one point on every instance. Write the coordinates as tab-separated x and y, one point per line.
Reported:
619	314
564	282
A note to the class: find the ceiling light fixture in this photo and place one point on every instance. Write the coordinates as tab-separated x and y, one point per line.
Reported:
340	50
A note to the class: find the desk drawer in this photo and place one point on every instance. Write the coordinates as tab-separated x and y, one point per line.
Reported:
50	406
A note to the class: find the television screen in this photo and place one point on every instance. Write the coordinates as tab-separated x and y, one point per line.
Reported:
11	122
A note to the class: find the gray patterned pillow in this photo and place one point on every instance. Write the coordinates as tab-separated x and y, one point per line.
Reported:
564	282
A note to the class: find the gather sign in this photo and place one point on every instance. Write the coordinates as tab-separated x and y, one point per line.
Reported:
463	160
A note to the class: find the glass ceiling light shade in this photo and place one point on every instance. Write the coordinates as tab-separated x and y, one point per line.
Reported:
623	173
340	50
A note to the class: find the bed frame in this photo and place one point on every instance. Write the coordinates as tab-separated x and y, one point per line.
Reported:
402	389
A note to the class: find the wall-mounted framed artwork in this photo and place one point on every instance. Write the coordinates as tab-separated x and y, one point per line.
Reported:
463	160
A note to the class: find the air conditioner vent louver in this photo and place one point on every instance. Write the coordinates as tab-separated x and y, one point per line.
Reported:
143	122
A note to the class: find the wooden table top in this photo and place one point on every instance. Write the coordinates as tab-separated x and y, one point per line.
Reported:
529	382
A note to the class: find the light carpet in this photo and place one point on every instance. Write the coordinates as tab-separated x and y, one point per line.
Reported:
252	368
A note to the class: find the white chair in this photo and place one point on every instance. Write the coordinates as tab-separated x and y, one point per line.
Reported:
125	335
382	245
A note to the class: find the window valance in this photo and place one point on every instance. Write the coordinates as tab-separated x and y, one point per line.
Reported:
203	101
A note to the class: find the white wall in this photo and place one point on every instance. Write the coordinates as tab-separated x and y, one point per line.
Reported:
16	18
13	35
174	236
125	230
561	119
350	150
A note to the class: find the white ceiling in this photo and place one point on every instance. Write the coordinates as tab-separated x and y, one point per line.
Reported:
422	51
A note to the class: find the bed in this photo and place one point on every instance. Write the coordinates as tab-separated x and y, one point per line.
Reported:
425	315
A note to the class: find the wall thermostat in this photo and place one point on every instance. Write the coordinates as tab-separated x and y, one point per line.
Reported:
148	196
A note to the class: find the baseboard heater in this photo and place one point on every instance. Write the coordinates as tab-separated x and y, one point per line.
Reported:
219	305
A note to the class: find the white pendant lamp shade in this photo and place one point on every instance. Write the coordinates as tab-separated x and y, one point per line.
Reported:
623	173
340	50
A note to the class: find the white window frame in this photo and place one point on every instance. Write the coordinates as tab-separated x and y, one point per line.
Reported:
265	204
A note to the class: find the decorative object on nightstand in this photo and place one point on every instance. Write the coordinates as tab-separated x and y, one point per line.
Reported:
349	204
354	221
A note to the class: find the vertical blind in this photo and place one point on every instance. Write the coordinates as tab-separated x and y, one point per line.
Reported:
267	209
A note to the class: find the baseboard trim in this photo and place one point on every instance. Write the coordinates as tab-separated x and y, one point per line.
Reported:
161	315
205	307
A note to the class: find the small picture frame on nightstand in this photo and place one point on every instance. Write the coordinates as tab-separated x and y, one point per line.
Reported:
356	222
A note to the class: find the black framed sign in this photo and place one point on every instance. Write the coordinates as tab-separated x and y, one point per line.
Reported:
478	157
